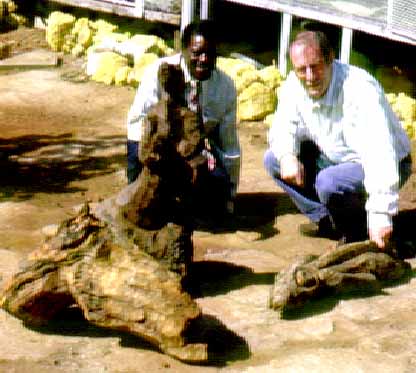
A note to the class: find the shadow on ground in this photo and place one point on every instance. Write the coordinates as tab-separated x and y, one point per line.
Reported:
32	164
404	233
254	212
210	278
71	322
223	344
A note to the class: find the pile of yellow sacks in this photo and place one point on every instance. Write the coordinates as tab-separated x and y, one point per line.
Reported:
120	58
256	88
6	8
405	108
112	57
9	19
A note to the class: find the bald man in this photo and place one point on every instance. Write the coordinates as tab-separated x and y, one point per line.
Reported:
336	147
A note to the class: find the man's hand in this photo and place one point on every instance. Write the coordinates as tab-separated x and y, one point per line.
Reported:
291	170
381	236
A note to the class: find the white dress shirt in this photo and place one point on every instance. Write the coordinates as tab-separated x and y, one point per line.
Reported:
218	100
352	122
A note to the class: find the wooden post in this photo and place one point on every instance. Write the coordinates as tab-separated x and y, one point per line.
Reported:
284	42
346	41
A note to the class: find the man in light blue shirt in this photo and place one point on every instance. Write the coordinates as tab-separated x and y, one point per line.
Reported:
336	147
210	92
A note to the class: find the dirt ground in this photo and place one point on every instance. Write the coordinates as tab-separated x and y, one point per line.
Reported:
62	142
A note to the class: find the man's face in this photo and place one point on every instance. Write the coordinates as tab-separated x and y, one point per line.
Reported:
200	57
311	69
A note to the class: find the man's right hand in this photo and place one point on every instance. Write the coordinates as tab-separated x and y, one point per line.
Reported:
291	170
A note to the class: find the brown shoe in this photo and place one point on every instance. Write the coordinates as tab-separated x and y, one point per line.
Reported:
324	228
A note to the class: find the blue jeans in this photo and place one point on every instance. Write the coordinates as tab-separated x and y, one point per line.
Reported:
335	190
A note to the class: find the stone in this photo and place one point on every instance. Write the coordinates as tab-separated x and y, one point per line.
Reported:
83	33
121	75
404	107
256	102
150	44
136	73
256	88
102	66
271	76
59	25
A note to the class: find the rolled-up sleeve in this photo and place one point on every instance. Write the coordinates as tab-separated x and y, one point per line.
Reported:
375	144
286	120
230	152
147	95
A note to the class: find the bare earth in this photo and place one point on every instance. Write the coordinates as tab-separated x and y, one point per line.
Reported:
62	142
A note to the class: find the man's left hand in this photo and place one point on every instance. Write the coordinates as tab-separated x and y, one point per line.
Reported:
381	236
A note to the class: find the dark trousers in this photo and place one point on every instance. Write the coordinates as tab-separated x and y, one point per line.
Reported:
211	190
133	164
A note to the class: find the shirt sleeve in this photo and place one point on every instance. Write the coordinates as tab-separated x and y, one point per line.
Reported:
229	146
375	134
147	95
286	120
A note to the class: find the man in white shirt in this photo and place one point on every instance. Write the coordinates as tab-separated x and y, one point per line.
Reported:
215	96
360	155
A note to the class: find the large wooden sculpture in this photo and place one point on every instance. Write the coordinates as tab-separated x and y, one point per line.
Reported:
123	261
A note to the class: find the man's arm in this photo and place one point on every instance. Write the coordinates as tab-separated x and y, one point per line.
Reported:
292	170
147	95
375	137
230	152
282	133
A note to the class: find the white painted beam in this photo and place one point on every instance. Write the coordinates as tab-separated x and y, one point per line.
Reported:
187	13
346	41
284	42
139	8
204	9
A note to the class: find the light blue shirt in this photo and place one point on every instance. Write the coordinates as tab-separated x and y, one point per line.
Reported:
218	100
352	122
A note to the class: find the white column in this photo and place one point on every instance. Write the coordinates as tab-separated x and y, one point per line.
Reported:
187	14
204	9
346	41
284	42
139	8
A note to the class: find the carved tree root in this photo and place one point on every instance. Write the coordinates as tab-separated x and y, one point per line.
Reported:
116	285
123	264
352	266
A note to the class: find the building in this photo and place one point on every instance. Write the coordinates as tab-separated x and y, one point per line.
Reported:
390	19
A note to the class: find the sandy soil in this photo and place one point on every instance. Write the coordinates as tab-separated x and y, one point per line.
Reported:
63	142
